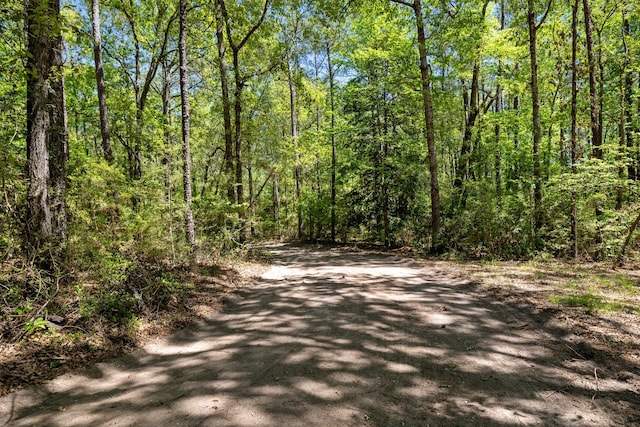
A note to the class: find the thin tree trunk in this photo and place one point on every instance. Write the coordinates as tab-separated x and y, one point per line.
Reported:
318	184
294	136
628	103
436	244
166	107
497	130
622	125
226	103
431	142
537	131
252	199
239	85
102	96
186	149
514	172
333	144
384	186
239	188
574	125
596	130
276	205
464	161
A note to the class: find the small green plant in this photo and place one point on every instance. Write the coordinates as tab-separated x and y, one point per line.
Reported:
24	309
37	324
55	363
628	285
133	323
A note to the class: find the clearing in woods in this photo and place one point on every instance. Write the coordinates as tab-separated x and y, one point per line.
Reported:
334	337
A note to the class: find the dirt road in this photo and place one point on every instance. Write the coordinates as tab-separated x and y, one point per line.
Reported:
342	338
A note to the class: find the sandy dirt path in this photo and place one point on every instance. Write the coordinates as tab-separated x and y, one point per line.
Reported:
341	338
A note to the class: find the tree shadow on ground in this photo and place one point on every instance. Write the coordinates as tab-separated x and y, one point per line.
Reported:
332	337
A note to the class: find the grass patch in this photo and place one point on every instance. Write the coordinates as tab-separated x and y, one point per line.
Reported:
589	301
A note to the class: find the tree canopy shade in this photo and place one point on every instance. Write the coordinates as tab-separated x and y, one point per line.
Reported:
501	129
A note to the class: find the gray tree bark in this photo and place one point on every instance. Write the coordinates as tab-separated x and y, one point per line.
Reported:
226	103
102	96
186	149
535	100
574	125
333	142
416	5
47	142
596	129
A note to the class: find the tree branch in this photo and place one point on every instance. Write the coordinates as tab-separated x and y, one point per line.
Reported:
256	26
155	61
237	47
405	3
544	17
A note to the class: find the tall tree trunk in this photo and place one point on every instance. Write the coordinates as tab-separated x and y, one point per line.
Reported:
226	103
628	108
333	143
431	141
625	101
537	127
294	137
239	187
168	138
622	134
252	197
472	111
236	48
316	223
134	155
514	172
276	204
58	149
471	114
186	149
497	129
574	125
384	180
596	129
102	95
436	245
47	148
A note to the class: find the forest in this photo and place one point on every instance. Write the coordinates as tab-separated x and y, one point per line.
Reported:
137	137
